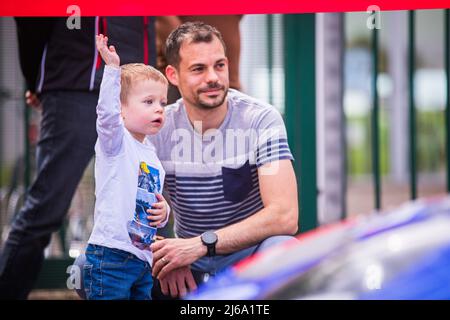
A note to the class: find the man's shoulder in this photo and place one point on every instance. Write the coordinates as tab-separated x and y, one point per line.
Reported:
240	99
250	109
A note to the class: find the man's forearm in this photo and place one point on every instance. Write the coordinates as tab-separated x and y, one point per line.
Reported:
263	224
269	221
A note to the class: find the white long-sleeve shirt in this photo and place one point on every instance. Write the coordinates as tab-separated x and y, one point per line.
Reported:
123	166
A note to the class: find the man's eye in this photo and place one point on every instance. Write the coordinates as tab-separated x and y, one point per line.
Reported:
221	65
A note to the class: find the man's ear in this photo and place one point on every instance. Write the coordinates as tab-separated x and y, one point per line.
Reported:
172	75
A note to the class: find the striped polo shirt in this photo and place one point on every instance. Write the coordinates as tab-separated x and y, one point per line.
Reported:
212	179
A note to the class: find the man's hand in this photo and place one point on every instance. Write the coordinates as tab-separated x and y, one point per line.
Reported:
159	213
178	282
32	100
109	54
171	254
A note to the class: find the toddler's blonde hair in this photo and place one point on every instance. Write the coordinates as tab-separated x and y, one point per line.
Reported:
132	72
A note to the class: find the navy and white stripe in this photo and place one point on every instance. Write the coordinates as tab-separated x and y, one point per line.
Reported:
272	150
199	203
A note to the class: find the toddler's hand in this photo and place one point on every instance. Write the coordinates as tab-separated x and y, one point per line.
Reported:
109	54
159	212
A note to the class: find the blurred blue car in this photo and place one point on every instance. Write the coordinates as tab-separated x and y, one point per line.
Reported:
398	254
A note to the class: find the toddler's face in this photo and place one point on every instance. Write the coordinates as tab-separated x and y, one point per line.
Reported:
144	110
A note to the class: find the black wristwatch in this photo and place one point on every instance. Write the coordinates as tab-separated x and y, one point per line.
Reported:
209	239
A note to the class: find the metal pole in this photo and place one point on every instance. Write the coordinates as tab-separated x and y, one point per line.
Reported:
375	124
447	109
412	108
270	55
300	81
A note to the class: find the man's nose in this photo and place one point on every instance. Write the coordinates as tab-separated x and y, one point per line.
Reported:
211	76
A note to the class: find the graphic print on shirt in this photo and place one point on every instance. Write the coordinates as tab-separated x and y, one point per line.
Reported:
139	229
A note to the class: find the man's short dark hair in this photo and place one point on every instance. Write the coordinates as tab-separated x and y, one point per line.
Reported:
194	32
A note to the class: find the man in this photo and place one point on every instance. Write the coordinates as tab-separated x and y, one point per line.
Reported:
229	174
63	71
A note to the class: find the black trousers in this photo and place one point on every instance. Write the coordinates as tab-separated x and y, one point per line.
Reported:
65	147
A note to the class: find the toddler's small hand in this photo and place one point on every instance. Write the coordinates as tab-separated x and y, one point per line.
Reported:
108	54
159	212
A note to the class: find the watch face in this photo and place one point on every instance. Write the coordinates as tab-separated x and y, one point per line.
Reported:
209	237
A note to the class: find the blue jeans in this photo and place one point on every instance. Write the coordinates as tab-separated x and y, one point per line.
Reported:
113	274
210	266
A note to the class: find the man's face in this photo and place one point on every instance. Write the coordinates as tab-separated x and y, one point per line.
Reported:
202	76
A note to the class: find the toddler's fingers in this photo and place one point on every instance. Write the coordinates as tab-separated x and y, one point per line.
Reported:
155	210
156	221
155	216
99	42
159	205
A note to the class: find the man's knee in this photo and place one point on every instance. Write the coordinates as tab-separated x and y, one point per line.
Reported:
273	241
